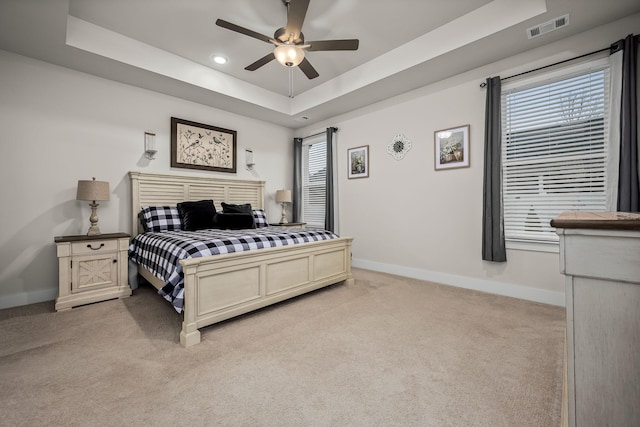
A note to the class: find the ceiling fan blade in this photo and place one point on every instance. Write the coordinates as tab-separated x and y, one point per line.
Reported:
238	29
260	62
308	69
296	11
350	44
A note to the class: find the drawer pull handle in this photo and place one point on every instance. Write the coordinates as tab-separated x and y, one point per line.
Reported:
95	249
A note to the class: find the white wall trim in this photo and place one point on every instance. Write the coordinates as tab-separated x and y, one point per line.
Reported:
483	285
31	297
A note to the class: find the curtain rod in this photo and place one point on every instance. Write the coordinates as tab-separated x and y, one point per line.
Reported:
483	84
319	133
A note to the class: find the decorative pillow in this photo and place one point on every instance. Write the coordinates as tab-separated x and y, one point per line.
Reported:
197	215
160	218
260	218
231	208
234	221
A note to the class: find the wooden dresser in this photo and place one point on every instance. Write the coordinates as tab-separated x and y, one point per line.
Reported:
600	256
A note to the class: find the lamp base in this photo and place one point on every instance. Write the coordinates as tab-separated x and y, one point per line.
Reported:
284	220
93	229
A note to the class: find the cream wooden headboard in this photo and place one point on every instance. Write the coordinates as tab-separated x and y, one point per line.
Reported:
166	190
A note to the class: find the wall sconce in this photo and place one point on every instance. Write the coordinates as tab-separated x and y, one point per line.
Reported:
150	145
93	190
284	197
249	159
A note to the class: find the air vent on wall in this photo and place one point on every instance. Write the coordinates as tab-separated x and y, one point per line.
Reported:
554	24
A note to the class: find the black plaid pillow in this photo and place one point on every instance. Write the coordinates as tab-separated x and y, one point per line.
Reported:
161	218
260	218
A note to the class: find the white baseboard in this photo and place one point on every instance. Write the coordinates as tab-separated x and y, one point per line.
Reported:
24	298
483	285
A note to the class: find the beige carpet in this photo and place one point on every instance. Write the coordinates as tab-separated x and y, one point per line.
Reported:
387	351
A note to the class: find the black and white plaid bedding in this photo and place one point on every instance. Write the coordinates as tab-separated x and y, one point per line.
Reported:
161	218
160	252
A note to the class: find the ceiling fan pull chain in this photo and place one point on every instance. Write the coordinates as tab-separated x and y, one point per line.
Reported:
290	82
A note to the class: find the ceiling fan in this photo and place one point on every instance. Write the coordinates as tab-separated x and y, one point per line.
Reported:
289	41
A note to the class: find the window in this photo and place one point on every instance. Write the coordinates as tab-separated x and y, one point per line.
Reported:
314	182
554	148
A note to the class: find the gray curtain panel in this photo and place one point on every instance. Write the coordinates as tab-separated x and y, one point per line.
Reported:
493	244
296	192
628	179
329	218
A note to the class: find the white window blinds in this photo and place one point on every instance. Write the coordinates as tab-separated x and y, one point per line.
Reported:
314	181
554	137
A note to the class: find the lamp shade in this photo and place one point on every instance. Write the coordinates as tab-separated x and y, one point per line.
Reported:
283	196
93	190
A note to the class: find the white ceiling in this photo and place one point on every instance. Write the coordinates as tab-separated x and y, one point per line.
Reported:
166	45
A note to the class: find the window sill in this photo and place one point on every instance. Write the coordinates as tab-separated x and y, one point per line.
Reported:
551	247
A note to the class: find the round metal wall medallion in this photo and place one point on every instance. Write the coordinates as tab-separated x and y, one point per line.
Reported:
399	147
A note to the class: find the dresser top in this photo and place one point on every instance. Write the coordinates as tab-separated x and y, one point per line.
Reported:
598	220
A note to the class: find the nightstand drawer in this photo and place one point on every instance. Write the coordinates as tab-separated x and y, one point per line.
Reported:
94	246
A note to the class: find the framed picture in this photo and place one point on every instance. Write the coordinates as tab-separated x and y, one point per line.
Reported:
358	162
452	148
198	146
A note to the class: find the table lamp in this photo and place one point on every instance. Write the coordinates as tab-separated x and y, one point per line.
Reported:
284	197
93	190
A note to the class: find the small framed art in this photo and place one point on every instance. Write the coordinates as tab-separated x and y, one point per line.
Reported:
199	146
452	148
358	162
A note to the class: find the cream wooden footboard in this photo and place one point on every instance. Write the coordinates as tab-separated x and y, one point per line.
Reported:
223	286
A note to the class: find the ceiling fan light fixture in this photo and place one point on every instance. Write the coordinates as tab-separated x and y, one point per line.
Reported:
288	55
289	42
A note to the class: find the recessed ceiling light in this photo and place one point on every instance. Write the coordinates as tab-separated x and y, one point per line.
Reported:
219	59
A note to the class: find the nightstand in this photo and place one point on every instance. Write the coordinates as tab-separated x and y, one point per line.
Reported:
301	225
91	269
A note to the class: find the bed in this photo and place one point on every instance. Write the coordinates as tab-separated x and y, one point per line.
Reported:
219	287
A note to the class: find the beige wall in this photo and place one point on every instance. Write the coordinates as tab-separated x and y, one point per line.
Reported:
411	220
58	126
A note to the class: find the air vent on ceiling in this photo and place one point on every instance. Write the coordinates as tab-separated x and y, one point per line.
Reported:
554	24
